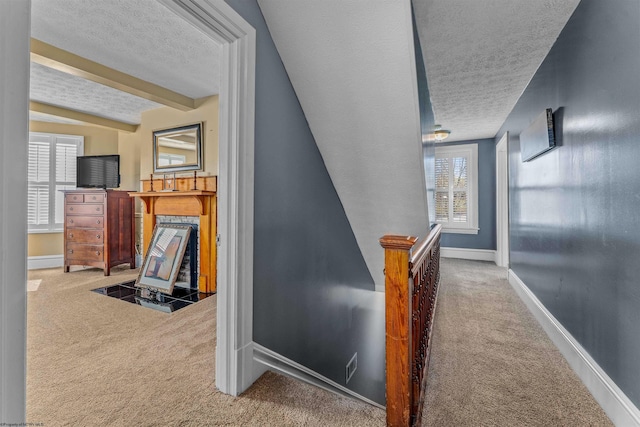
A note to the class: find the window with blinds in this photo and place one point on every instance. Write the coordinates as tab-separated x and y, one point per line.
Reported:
457	188
51	168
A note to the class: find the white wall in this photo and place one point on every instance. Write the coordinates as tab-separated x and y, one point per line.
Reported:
353	69
14	129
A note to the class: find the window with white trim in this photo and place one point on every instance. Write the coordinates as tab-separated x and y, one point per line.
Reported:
457	188
51	168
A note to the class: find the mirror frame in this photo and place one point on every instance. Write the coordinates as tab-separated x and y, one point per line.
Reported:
197	127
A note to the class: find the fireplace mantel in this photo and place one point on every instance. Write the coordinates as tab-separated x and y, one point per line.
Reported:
200	203
200	196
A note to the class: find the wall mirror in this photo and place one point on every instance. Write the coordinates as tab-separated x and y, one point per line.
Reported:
177	149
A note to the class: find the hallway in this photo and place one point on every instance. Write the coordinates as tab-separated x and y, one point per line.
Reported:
492	364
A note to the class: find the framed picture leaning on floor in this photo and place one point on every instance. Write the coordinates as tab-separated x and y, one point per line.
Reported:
164	257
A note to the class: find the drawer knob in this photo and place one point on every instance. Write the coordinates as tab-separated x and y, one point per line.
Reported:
70	221
97	252
98	221
71	208
97	209
97	236
70	251
71	235
94	197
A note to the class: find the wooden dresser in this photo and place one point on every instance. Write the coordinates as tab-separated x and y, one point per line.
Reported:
99	229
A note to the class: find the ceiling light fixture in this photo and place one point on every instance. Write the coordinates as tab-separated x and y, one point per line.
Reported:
440	134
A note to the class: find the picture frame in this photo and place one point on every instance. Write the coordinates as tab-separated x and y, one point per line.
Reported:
163	258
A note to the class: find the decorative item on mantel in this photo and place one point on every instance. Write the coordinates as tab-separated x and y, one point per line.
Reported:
169	184
151	181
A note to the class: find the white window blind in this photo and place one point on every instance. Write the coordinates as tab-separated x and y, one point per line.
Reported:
457	188
51	168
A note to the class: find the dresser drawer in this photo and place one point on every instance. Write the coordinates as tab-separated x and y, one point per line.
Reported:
74	198
85	221
84	209
77	251
94	198
84	198
83	235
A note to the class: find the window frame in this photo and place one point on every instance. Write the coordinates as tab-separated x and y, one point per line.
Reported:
170	158
470	151
53	141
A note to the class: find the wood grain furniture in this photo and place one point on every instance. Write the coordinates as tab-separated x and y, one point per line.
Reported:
185	201
412	276
99	229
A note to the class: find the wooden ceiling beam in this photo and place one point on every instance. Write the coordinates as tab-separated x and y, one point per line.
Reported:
40	107
67	62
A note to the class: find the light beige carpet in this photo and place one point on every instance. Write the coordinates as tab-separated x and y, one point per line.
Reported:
492	364
96	361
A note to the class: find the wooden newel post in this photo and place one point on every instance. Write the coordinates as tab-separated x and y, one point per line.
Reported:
398	327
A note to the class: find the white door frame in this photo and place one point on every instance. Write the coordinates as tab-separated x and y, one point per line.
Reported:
502	201
234	348
15	18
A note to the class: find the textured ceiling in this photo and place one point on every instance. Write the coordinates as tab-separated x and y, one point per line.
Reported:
64	90
142	38
480	55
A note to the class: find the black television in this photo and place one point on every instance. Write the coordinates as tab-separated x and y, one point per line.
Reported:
98	171
539	137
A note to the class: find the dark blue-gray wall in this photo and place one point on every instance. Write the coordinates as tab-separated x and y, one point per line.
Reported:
574	211
314	299
486	237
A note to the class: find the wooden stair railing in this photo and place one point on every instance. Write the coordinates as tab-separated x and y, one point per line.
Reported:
412	276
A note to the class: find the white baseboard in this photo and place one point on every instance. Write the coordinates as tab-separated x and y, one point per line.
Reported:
472	254
276	362
46	261
615	403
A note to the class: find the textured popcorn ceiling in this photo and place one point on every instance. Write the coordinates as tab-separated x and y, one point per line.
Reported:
64	90
141	38
480	55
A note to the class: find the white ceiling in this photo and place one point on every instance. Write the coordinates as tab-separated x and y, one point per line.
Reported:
480	56
142	38
64	90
